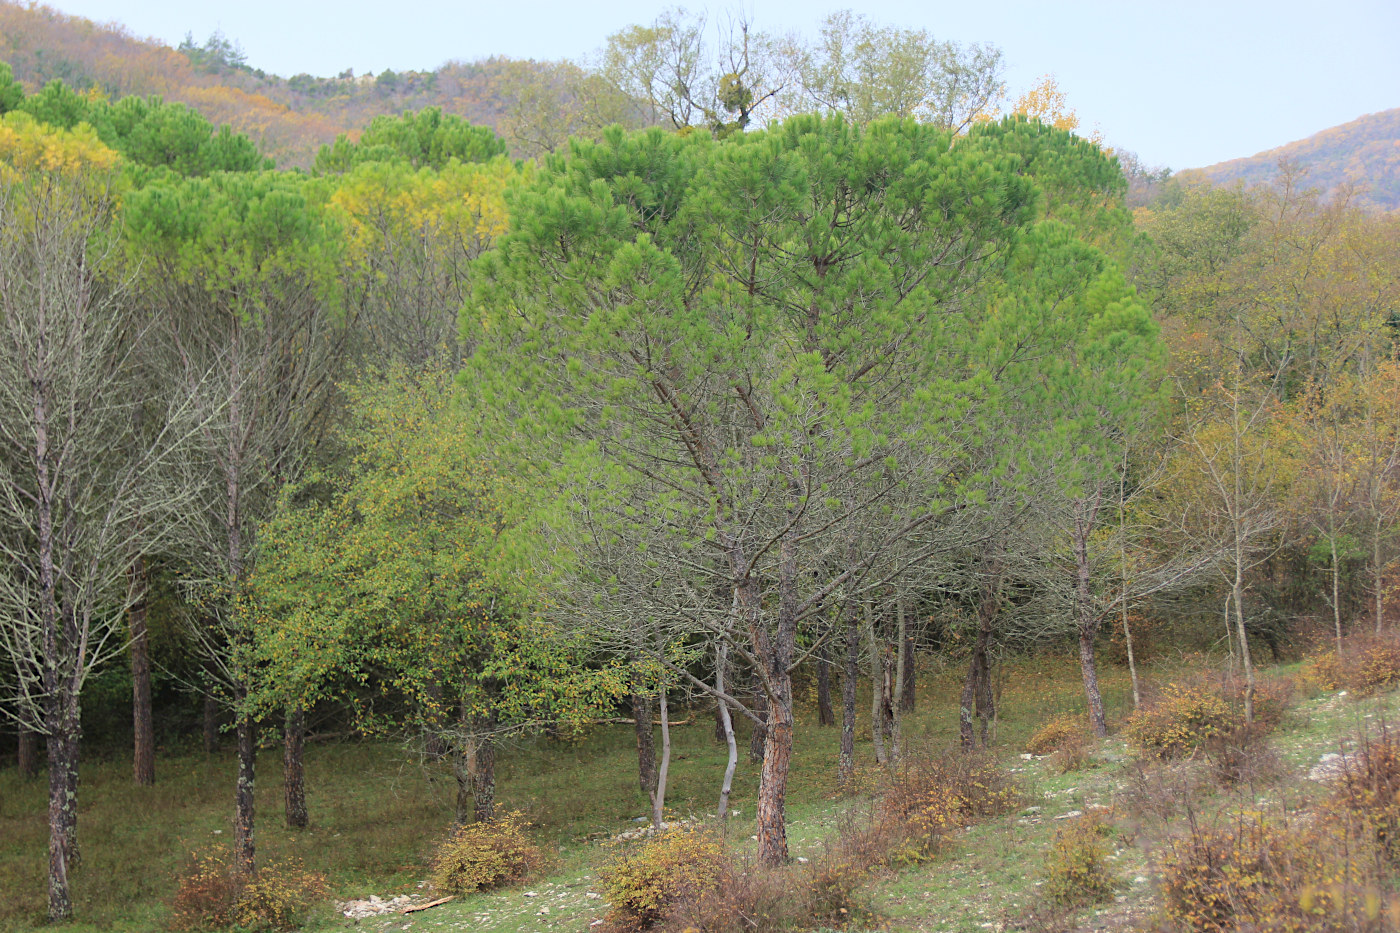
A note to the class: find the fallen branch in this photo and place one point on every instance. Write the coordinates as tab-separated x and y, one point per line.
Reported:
417	907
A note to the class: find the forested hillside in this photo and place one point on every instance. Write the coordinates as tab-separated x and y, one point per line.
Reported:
842	491
289	118
1364	154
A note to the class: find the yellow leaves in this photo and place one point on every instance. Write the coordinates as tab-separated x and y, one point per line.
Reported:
29	146
1047	103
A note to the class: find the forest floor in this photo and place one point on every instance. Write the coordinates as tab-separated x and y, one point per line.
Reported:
376	815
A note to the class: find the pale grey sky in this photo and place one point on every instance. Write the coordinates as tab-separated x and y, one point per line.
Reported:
1183	84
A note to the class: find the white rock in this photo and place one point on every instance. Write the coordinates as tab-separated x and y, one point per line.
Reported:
1070	815
1328	768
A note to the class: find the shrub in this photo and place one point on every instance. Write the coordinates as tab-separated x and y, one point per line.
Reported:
212	895
1367	663
1267	875
1072	755
1241	755
933	795
1187	716
485	855
1076	867
837	877
1369	790
1054	734
1180	720
667	870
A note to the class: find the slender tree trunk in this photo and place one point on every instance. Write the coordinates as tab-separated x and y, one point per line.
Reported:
727	720
908	694
646	744
28	753
244	849
846	767
434	748
143	728
1132	659
901	671
293	767
878	700
1336	594
1377	575
825	715
1088	620
1237	591
658	794
211	725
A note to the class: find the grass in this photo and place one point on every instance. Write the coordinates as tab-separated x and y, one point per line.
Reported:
375	817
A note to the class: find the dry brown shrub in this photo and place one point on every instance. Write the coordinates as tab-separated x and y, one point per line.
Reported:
1367	663
213	895
1055	733
1272	875
931	795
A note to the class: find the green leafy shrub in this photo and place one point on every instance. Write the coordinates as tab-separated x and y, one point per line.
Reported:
1076	867
212	895
667	870
485	855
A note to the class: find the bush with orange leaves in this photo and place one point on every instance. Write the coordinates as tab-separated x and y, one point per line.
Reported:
213	895
930	796
1367	663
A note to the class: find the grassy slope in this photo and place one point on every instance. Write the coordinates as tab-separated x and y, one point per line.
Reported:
375	819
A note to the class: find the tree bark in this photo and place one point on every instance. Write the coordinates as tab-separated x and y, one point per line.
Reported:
908	694
758	739
879	699
143	728
1088	620
825	715
646	744
211	725
728	722
63	816
293	767
658	794
901	670
777	759
1237	592
484	780
847	764
28	753
244	848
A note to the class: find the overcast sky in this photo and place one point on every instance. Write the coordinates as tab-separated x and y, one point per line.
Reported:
1184	84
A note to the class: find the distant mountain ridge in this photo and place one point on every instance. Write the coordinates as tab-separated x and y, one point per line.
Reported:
1364	152
289	118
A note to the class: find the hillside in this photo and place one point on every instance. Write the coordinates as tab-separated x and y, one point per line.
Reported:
289	118
1365	151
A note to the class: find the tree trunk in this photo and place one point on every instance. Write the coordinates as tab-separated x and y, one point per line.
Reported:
1132	658
1378	575
847	765
143	728
1336	594
878	698
293	767
728	722
1087	619
211	725
658	794
63	813
908	694
434	748
484	780
777	758
1237	591
901	671
28	753
825	715
967	738
758	739
646	744
244	850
